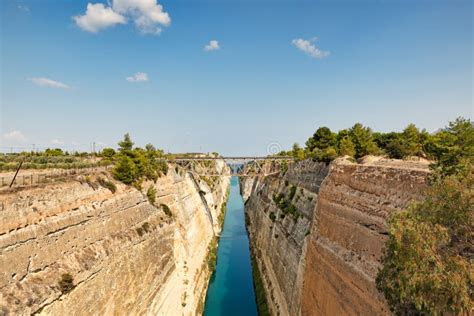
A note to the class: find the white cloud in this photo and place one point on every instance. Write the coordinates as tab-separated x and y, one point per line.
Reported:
14	137
45	82
23	8
147	15
98	17
309	48
138	77
57	142
213	45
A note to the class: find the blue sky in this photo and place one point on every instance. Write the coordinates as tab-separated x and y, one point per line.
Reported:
282	69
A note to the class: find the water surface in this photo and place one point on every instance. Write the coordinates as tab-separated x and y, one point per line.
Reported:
231	289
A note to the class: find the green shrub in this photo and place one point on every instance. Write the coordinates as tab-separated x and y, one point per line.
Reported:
140	231
212	254
107	184
260	296
167	210
292	193
272	216
125	170
146	227
91	183
66	283
427	267
107	153
151	194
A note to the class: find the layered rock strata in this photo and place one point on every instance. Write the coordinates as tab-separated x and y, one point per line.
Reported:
76	247
317	232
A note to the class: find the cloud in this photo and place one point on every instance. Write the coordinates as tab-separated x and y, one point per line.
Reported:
309	48
138	77
57	142
98	17
23	8
14	137
147	15
213	45
45	82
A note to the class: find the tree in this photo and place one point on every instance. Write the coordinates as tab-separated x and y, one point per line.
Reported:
125	170
346	147
426	265
126	145
394	145
107	153
324	138
150	148
363	141
452	148
53	152
297	152
411	140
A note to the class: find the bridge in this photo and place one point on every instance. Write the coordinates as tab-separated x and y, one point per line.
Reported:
241	166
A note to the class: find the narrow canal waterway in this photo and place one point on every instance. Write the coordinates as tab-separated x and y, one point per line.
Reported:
231	289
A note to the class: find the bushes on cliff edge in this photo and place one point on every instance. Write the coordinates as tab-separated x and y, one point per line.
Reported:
135	164
427	265
446	145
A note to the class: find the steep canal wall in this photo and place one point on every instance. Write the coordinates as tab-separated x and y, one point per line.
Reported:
82	247
317	232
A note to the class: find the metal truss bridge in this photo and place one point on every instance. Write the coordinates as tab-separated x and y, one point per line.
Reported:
240	166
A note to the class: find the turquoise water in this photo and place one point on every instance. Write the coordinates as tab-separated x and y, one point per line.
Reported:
231	289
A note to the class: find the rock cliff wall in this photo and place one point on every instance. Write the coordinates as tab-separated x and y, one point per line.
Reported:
125	254
321	255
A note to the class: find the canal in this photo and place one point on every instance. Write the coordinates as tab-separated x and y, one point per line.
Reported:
231	289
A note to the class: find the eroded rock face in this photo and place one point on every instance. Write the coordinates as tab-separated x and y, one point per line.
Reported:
125	254
329	269
277	236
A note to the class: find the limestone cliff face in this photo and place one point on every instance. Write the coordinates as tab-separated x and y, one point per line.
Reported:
125	254
277	237
323	258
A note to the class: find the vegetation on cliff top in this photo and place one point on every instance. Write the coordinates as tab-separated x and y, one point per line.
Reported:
427	265
358	141
134	164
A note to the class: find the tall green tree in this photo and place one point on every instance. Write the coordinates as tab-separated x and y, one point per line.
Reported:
126	145
412	141
452	148
324	138
125	170
346	147
297	152
363	140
